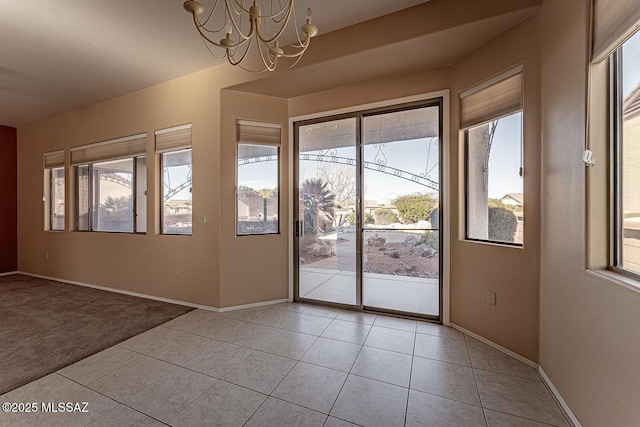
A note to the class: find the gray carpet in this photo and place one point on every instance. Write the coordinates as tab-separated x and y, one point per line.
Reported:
46	325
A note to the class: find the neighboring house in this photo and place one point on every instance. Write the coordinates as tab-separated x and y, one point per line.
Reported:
176	207
513	199
251	206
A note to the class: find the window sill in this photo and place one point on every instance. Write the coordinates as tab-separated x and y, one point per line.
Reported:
491	243
617	278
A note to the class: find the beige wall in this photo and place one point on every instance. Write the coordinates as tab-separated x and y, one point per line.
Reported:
581	327
252	268
589	334
381	90
136	263
512	273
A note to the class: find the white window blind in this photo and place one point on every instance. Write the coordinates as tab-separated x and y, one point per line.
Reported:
614	21
130	146
173	139
493	99
54	159
258	133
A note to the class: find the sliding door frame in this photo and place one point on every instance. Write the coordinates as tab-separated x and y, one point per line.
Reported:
295	206
440	98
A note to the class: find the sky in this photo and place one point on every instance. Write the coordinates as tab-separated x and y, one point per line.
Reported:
420	156
176	176
417	156
504	161
631	64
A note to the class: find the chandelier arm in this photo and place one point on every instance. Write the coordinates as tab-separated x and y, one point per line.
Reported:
240	6
303	48
202	34
235	25
272	62
272	16
295	62
215	6
282	28
208	46
199	27
231	56
295	25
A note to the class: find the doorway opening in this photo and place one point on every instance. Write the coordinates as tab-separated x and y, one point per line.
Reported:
367	204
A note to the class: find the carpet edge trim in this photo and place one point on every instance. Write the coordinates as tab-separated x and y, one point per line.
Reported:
152	297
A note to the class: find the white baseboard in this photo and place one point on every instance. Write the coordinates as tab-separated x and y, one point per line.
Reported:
496	346
8	273
565	407
255	304
136	294
554	391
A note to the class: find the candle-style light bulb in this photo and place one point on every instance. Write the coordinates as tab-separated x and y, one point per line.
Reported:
308	14
228	28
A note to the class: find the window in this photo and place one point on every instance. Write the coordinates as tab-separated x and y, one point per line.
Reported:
111	187
54	191
491	115
174	147
257	178
626	148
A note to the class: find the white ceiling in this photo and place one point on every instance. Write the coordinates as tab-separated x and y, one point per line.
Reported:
56	56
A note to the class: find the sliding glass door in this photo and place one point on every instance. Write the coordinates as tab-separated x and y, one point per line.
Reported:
368	210
401	238
326	204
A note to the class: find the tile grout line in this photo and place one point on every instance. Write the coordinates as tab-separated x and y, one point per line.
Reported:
269	395
114	400
349	373
475	380
413	357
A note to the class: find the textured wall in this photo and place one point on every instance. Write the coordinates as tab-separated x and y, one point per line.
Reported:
513	273
589	334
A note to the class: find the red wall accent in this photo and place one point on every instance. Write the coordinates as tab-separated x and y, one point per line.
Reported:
9	205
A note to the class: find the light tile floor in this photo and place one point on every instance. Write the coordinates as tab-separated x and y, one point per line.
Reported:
293	365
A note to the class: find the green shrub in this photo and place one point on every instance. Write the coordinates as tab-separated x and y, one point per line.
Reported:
415	207
368	218
385	216
431	239
502	224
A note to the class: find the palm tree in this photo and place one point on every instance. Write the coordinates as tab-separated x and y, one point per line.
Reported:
266	195
318	199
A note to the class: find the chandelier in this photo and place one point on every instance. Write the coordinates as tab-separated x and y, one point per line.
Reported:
248	29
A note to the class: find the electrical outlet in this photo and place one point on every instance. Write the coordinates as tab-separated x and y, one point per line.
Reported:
46	255
204	219
491	298
176	271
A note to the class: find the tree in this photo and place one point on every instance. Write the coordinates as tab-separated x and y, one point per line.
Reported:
416	207
116	205
266	194
319	205
341	181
